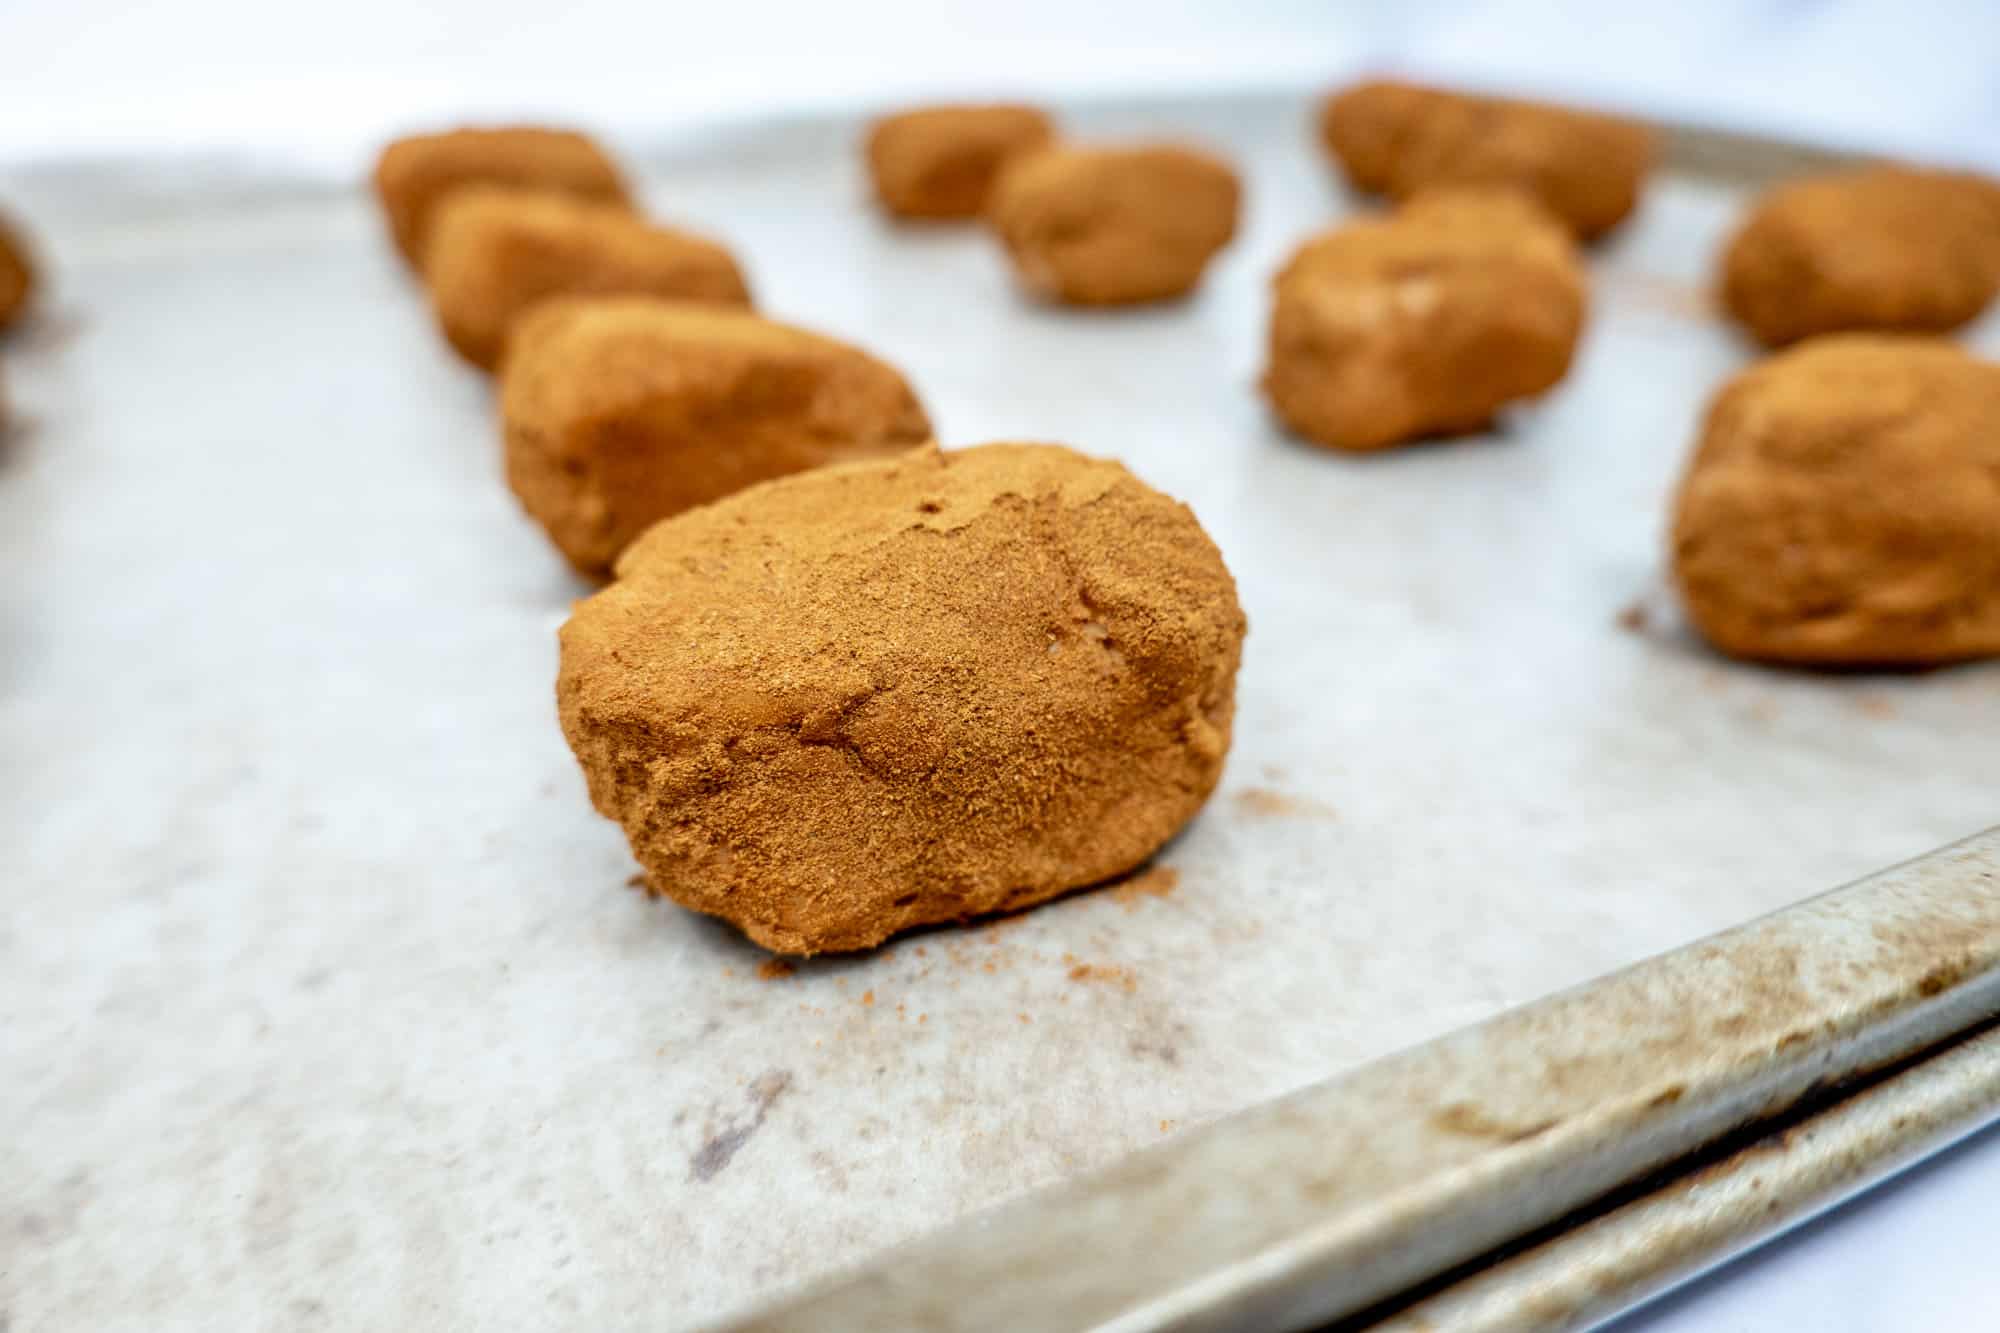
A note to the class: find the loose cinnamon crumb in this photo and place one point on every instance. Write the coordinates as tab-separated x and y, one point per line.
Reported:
1153	882
1105	972
774	969
868	997
1633	618
1263	803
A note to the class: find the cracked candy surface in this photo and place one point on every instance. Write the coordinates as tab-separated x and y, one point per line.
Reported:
1114	225
1883	248
1398	138
1423	323
622	411
941	161
496	252
415	173
885	694
1843	507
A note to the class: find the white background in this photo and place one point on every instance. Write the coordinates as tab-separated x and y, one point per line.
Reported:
324	83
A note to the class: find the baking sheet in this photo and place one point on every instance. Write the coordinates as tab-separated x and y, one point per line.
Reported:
325	1000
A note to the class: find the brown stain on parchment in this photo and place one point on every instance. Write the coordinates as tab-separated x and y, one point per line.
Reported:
721	1146
1160	1038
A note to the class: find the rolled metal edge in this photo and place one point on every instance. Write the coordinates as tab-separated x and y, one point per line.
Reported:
1747	159
1325	1202
1724	1207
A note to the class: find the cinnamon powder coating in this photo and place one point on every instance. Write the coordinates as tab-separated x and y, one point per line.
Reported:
1843	507
17	275
939	162
883	694
415	173
497	251
1398	138
1114	225
619	412
1423	323
1883	248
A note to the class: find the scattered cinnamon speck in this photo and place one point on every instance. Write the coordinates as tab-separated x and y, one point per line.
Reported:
1024	1018
728	971
923	1018
1633	618
1874	705
1152	882
868	997
637	880
1264	803
776	969
1106	973
1166	1125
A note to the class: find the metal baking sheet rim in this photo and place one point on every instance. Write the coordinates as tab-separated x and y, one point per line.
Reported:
1761	1186
197	176
1232	1227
